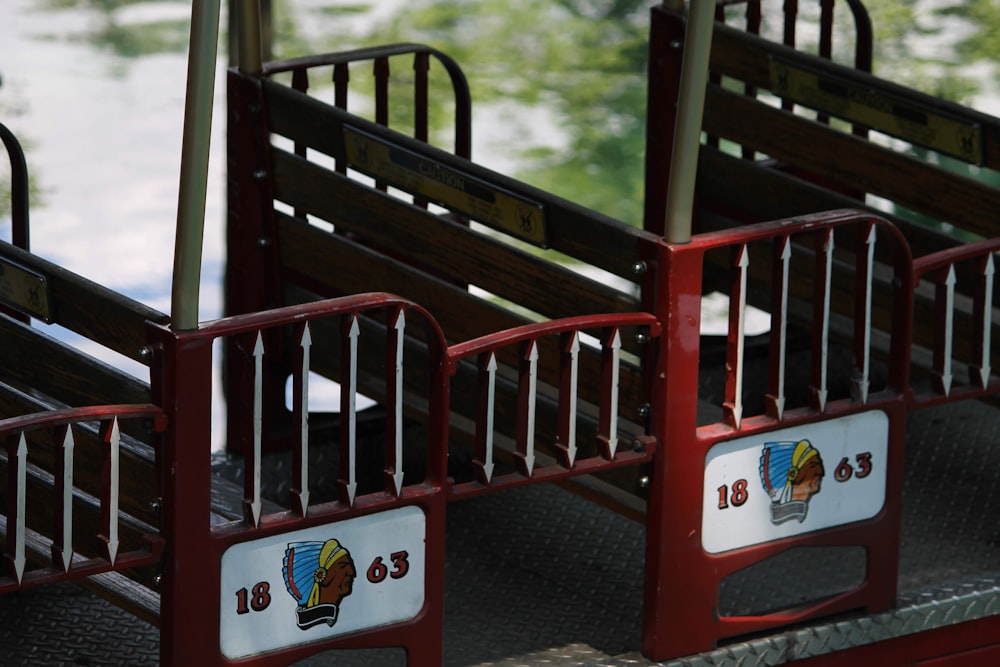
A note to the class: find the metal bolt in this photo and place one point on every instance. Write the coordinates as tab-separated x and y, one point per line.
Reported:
644	482
146	352
641	337
644	410
638	446
157	578
263	242
676	44
156	504
260	174
639	268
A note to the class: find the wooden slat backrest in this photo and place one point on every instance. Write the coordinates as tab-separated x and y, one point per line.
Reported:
385	242
849	162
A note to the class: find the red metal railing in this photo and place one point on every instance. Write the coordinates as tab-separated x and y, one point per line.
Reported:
380	57
683	563
22	435
525	340
191	627
963	325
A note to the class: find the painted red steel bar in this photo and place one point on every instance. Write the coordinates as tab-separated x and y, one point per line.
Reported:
20	235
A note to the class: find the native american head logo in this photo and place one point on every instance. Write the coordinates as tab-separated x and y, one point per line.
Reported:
318	575
792	473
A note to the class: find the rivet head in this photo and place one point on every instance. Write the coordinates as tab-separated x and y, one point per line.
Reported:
644	482
639	268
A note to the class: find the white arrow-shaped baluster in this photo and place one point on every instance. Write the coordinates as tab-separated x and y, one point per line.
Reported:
305	343
529	444
113	443
949	328
574	372
68	445
821	390
352	422
782	333
397	475
984	364
610	371
739	321
861	383
258	410
491	397
21	470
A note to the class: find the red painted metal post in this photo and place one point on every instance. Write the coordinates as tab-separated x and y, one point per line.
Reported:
664	75
252	282
672	529
182	386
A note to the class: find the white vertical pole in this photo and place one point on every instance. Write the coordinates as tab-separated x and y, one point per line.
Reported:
194	163
687	131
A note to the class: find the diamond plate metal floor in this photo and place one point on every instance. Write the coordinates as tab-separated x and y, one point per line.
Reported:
538	576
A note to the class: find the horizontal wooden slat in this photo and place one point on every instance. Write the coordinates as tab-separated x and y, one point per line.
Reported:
731	187
747	58
572	229
853	162
441	246
89	309
32	361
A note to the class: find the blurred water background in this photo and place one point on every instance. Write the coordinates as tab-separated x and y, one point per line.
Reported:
94	89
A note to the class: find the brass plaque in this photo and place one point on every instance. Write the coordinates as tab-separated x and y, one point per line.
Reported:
448	187
877	109
24	290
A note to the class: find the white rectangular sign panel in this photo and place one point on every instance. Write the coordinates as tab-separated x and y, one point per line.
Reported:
321	582
773	485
